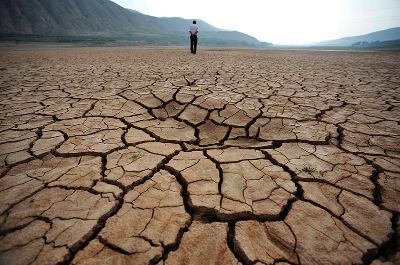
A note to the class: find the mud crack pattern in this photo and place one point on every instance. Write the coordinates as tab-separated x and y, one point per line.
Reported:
151	156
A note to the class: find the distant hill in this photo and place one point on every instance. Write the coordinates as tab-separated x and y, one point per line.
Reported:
174	24
104	20
381	36
389	44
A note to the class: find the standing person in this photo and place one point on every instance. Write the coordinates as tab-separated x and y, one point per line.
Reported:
193	30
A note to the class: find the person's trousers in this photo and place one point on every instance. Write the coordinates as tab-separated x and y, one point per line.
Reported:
193	43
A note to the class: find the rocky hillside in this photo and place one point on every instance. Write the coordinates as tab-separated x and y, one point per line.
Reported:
104	18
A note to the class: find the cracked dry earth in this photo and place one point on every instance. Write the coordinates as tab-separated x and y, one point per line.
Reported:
151	156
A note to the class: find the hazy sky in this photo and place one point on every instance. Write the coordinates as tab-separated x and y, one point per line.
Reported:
281	21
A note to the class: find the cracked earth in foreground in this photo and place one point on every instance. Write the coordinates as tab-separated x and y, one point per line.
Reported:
151	156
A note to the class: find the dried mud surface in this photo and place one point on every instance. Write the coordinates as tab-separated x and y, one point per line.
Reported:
156	156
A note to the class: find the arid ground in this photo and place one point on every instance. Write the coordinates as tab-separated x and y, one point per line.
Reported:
156	156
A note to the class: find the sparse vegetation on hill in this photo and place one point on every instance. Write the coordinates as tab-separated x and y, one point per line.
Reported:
378	44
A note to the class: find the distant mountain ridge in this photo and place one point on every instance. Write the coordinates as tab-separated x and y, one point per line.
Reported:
104	18
174	24
377	36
